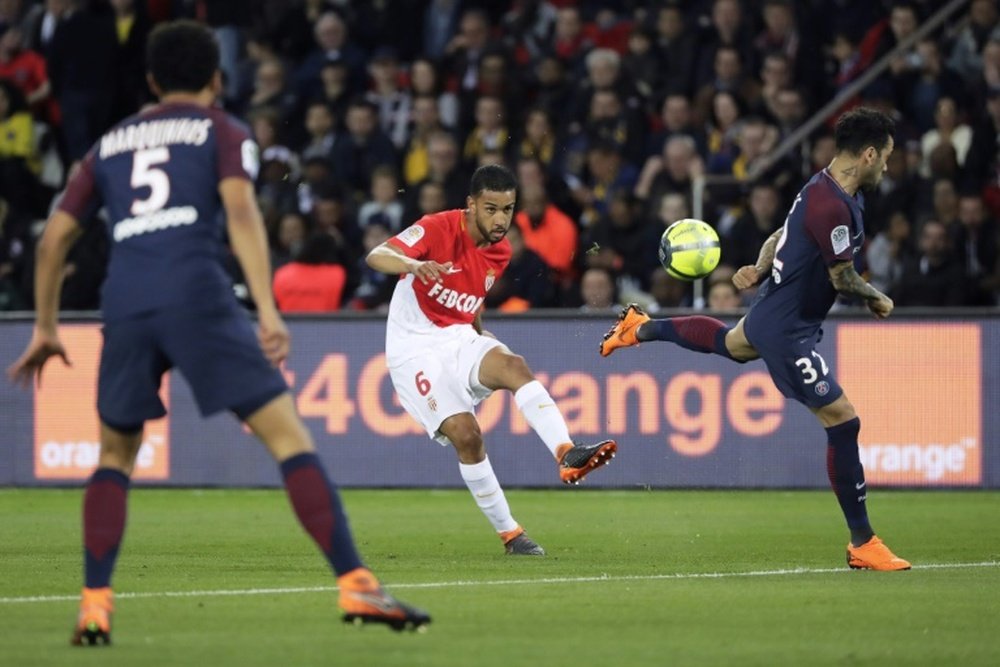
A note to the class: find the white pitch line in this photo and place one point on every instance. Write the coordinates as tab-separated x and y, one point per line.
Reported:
493	582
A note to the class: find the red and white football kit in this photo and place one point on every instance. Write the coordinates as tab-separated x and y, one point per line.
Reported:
432	350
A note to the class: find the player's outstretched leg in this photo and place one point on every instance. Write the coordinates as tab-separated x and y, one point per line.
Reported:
576	460
93	624
693	332
364	601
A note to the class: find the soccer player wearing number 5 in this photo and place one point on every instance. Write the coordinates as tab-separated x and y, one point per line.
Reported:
173	179
441	361
803	266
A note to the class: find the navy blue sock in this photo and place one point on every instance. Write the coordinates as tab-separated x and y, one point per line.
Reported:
847	477
317	504
104	508
695	332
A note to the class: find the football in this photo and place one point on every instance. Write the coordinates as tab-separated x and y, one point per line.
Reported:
689	249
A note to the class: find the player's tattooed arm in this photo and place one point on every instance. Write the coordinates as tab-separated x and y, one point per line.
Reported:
847	281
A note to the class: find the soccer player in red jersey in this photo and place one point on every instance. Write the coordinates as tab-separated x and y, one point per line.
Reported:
441	360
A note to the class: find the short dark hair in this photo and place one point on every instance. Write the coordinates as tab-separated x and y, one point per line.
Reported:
182	56
862	127
492	177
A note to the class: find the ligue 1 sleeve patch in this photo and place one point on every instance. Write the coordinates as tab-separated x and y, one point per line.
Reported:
250	158
840	238
411	235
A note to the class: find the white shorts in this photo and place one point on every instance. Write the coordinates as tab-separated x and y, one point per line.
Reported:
444	380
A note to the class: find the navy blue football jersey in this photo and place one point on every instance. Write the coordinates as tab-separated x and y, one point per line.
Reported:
824	226
157	175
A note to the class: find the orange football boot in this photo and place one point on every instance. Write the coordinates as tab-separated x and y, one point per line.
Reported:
577	460
623	333
363	601
874	555
93	625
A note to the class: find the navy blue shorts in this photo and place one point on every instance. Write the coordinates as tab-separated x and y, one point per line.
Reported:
217	352
798	370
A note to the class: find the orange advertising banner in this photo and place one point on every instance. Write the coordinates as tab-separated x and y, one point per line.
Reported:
67	428
917	388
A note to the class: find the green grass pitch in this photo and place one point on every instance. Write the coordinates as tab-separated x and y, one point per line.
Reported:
222	578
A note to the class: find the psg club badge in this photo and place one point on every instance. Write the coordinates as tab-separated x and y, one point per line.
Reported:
822	388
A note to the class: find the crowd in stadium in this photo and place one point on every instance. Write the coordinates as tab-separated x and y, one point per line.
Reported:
369	114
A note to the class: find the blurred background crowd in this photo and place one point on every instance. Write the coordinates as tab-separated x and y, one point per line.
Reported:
369	114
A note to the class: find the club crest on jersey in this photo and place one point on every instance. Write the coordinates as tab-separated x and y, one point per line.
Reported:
432	403
490	279
840	238
411	235
822	388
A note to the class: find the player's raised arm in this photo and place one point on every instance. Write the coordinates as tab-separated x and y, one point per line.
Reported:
847	281
249	241
751	274
386	258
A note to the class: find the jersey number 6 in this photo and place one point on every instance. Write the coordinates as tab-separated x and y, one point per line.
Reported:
423	384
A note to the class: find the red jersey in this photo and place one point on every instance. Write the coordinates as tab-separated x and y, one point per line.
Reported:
418	309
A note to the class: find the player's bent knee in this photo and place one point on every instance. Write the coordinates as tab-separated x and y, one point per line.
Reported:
838	412
466	437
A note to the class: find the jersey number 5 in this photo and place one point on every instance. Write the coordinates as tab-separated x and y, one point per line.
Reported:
146	175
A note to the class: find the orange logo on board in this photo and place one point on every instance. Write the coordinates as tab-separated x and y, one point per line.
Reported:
917	388
67	429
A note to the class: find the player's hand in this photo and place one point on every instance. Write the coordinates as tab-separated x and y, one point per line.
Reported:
274	337
746	277
429	271
881	307
28	368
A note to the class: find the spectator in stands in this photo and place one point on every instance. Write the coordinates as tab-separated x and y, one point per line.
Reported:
490	132
271	91
15	250
426	80
606	177
676	118
597	290
727	29
430	199
729	77
924	90
549	86
462	54
331	45
888	252
976	241
389	97
780	34
361	148
19	160
948	128
622	241
83	49
676	42
642	65
569	41
742	241
776	76
672	171
443	168
375	288
132	26
983	162
425	122
722	296
667	292
934	278
26	69
330	217
604	73
321	135
529	26
314	281
537	139
966	54
546	230
440	23
673	207
723	132
335	89
384	206
287	241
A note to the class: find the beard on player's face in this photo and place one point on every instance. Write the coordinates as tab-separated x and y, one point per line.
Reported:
490	228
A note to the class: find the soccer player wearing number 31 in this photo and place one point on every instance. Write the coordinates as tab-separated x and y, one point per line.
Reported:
173	179
803	266
441	361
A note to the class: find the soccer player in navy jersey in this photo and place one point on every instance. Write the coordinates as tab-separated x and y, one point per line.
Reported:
803	266
173	180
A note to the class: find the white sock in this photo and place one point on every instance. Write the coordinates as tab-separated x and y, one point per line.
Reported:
543	415
485	488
